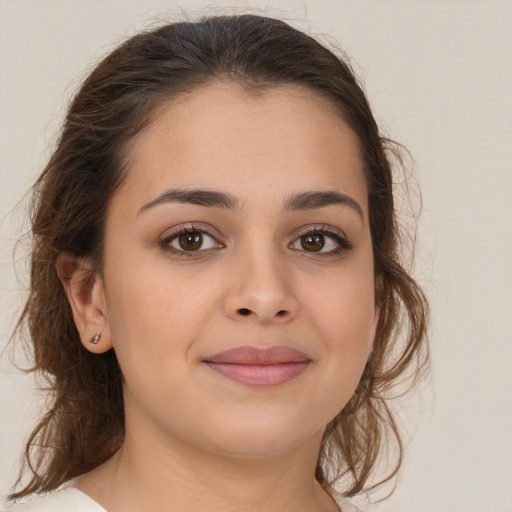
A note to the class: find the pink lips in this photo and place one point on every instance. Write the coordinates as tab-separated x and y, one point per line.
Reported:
259	367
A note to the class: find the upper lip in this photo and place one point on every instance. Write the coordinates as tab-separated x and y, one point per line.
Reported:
258	356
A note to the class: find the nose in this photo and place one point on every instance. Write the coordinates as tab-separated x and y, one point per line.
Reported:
261	290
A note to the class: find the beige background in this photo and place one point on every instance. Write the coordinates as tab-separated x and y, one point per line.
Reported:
439	74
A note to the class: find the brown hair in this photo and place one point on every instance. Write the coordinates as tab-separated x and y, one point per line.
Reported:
84	425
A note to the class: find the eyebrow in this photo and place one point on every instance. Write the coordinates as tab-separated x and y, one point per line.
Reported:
214	199
209	198
313	200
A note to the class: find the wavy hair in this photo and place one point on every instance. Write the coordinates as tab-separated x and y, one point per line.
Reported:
84	423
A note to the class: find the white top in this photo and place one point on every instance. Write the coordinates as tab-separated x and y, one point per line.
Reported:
71	499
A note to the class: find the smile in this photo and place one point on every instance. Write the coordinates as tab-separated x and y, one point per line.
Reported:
259	367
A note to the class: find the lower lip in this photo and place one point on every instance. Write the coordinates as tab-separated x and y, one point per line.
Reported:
260	375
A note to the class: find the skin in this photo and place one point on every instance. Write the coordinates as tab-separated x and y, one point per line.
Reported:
195	440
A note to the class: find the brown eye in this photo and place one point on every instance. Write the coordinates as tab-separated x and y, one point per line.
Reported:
190	241
321	242
312	242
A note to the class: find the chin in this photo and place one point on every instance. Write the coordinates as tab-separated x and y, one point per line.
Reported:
263	437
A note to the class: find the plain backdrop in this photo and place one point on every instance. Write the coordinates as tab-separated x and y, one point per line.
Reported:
439	75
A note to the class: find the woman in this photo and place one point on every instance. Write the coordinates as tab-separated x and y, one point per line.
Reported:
217	293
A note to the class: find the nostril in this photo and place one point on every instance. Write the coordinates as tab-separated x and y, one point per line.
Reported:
281	313
244	311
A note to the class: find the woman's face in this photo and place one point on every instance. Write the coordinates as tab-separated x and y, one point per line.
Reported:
238	288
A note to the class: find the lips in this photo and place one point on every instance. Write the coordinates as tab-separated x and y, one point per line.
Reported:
259	367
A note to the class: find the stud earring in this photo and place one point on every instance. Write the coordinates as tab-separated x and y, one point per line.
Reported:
95	338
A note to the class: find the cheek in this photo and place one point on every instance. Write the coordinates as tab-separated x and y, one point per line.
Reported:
345	308
152	333
344	315
149	312
156	313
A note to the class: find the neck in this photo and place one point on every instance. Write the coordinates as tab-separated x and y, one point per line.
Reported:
148	474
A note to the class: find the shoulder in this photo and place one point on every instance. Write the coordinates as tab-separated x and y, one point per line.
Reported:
68	499
345	505
71	499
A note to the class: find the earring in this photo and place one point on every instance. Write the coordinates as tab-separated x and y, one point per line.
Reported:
95	338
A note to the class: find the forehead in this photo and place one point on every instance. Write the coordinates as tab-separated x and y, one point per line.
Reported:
224	136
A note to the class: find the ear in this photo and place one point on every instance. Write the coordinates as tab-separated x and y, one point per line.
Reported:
85	292
375	324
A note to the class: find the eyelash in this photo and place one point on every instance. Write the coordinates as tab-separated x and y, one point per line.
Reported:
165	243
342	242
